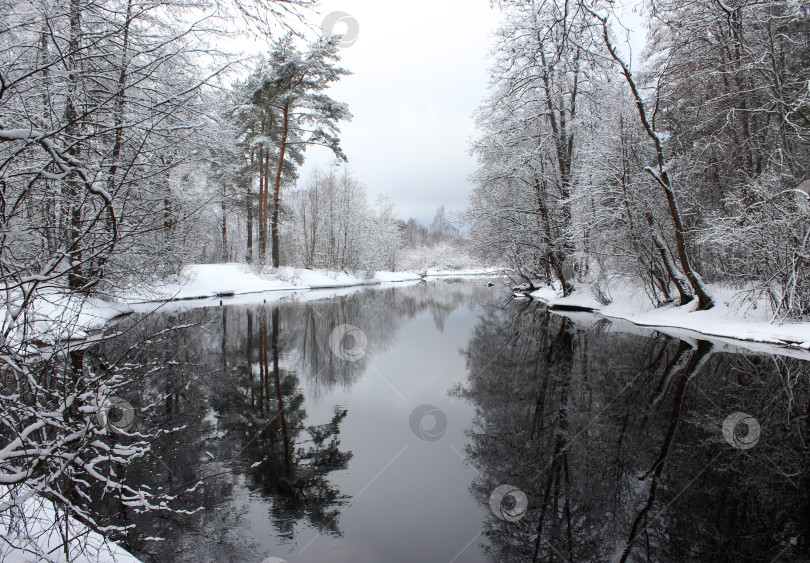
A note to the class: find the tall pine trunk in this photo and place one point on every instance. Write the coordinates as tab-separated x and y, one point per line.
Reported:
262	209
277	187
249	224
224	232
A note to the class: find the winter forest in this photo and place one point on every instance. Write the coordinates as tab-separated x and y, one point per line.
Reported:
688	166
137	141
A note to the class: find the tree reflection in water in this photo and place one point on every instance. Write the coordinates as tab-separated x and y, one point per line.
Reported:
287	460
613	433
616	440
235	381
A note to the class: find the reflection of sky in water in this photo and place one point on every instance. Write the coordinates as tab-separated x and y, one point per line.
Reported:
576	413
419	508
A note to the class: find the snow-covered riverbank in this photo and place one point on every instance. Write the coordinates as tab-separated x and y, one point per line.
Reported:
730	318
200	281
31	529
56	316
59	317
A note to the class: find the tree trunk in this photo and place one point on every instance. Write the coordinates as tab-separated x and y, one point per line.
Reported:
552	260
660	174
277	188
249	222
564	144
224	232
672	270
262	210
118	121
72	132
704	301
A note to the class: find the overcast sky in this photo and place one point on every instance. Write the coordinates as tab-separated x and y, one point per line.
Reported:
420	70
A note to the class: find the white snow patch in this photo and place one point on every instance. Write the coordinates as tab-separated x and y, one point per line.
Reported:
319	279
392	277
546	294
469	272
53	315
212	280
36	537
204	281
730	318
580	299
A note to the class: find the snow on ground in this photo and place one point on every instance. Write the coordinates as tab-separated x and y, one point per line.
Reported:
473	272
316	279
394	277
53	315
730	318
36	537
298	295
201	281
86	313
58	316
208	286
545	294
577	300
211	280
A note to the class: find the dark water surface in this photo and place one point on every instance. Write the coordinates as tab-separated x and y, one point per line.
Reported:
388	443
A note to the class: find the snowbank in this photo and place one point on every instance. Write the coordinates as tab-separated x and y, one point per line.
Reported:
211	280
729	318
53	316
81	313
36	537
320	279
581	300
470	272
395	277
201	281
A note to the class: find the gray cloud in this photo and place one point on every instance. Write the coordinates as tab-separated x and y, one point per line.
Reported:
420	70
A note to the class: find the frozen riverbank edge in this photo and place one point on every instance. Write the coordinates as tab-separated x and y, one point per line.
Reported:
56	316
732	320
202	281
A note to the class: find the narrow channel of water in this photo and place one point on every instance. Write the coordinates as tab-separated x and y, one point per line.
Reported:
382	425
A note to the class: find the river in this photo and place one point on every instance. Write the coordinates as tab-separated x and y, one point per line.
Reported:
449	422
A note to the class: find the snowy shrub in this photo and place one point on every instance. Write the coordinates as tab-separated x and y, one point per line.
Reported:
440	256
763	243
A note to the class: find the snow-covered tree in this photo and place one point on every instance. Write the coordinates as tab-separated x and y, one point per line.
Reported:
104	122
531	128
281	109
659	169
